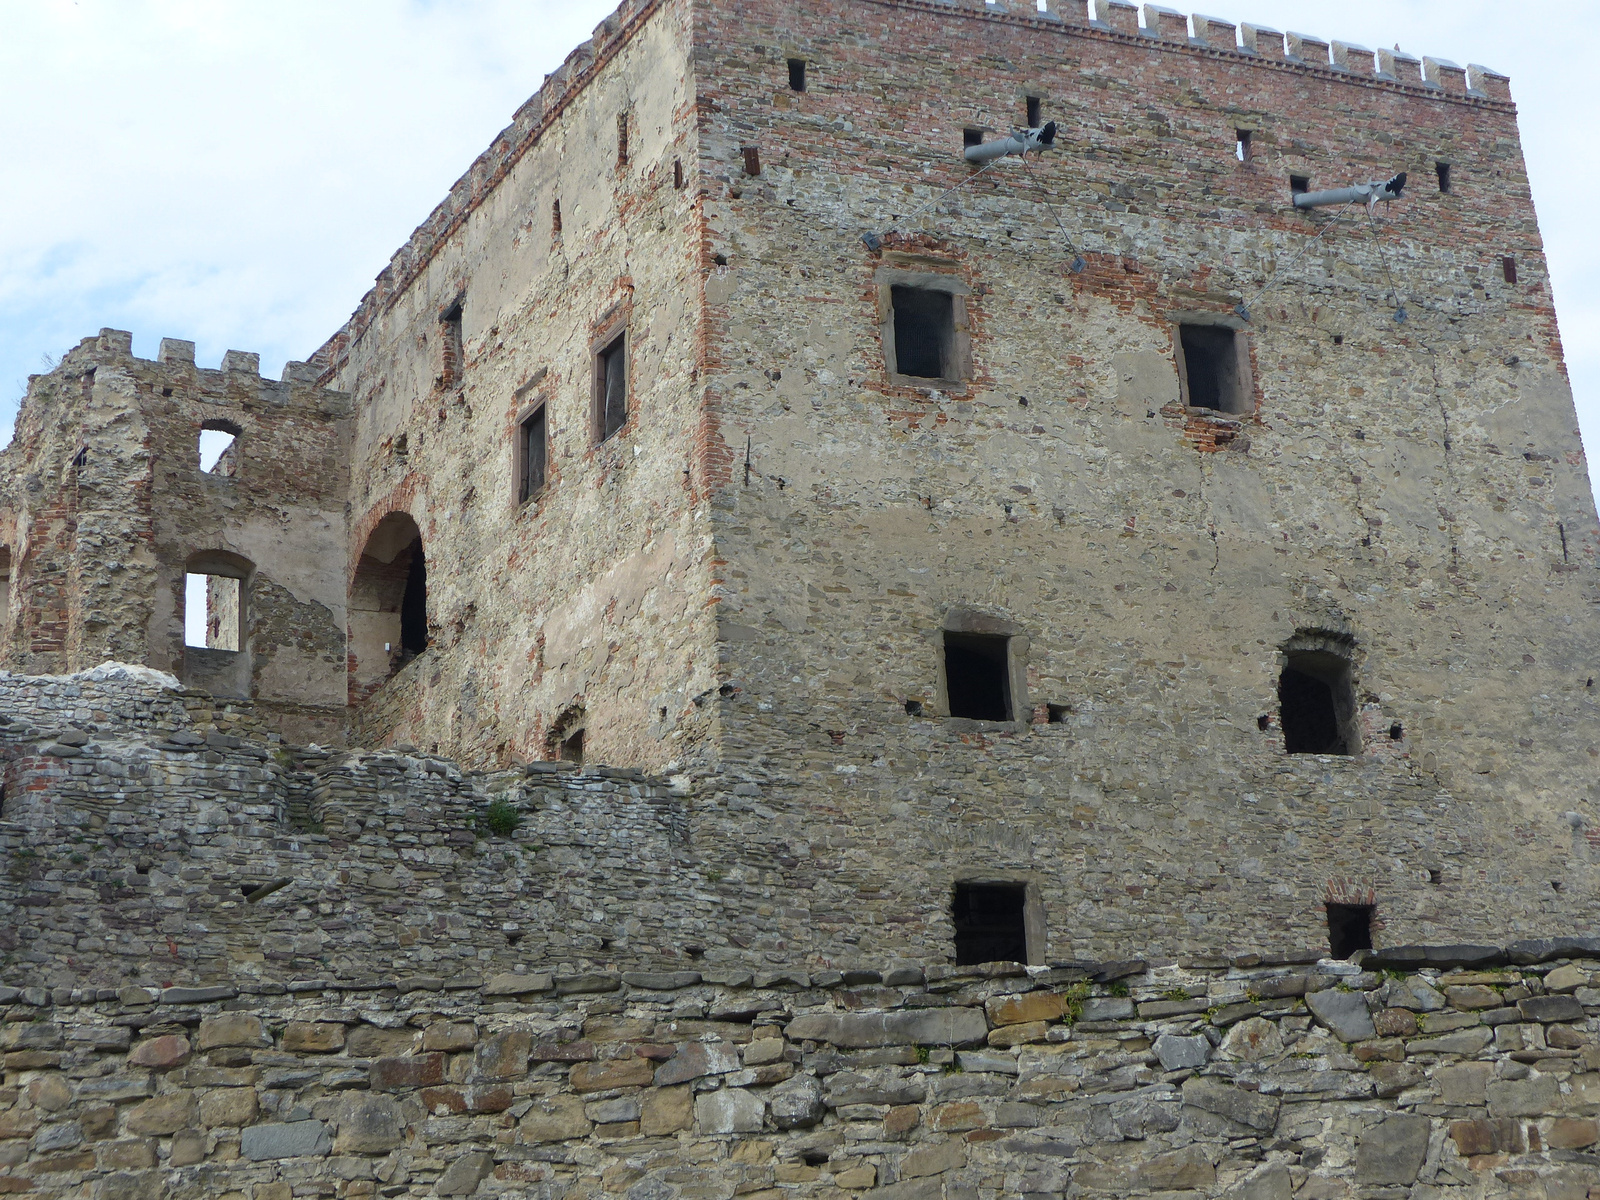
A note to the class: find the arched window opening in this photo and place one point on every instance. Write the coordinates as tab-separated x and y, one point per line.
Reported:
219	448
1316	695
388	602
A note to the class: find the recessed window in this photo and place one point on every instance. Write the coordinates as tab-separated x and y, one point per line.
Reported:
1035	112
1317	702
1214	370
971	136
677	173
797	74
572	748
532	448
1508	268
622	139
1442	169
213	617
611	388
990	922
977	675
555	216
924	332
1349	929
1299	183
752	159
1241	145
219	448
450	355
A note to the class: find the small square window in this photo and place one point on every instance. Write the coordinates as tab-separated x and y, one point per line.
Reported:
1299	183
532	449
1349	929
1317	703
611	388
1035	112
1213	372
971	136
990	922
977	674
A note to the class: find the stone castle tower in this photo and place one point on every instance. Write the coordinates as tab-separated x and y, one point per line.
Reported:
1081	548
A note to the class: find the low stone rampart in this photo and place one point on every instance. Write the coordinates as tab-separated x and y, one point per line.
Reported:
1258	1081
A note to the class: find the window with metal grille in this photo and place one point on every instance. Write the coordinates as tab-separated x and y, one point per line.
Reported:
924	332
611	388
531	449
989	922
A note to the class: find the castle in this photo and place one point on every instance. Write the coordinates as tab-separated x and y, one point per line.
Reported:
747	578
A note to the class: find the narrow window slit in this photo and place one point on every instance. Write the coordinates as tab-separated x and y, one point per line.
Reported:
611	388
622	139
1035	112
677	173
1508	268
1317	703
450	353
1442	170
555	216
752	159
532	452
1241	145
797	74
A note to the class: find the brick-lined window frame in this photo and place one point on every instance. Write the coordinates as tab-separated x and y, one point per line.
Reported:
958	368
452	355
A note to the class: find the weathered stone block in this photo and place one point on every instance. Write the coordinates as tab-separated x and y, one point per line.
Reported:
934	1159
162	1115
161	1053
1487	1137
369	1041
1177	1053
1463	1085
500	1056
1253	1040
763	1051
796	1103
401	1074
368	1125
1270	1182
1566	979
1030	1006
1247	1108
555	1119
1535	1097
667	1110
232	1107
462	1177
517	985
1551	1008
1391	1152
1019	1035
1345	1013
730	1110
1570	1133
232	1029
697	1059
313	1037
614	1073
292	1139
1395	1022
918	1027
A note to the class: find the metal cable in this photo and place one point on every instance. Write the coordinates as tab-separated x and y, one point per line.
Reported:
1383	257
917	212
1278	270
1078	262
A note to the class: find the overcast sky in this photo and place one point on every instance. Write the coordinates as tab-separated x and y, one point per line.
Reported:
236	172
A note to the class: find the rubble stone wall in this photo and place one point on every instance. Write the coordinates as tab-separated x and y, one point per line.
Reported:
1248	1080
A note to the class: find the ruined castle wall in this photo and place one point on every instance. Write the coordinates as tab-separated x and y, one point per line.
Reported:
1252	1081
1416	488
108	508
581	609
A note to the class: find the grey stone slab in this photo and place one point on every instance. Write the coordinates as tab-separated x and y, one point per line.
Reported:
697	1059
292	1139
192	995
796	1103
915	1027
1177	1053
1392	1151
731	1110
1546	1009
1107	1008
1218	1096
1537	950
1345	1013
462	1177
661	981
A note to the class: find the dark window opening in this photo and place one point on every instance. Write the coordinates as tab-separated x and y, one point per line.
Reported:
924	332
1035	112
414	606
622	139
752	159
1338	339
971	136
1397	731
1299	183
1508	268
611	388
913	708
213	612
1316	704
533	449
677	173
797	74
977	675
1211	368
1442	169
1241	145
81	457
555	216
1435	875
572	748
989	923
1349	929
1056	714
450	346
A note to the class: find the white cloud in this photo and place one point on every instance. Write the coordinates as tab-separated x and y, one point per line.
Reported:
237	173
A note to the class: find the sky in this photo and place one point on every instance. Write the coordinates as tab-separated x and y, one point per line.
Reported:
237	172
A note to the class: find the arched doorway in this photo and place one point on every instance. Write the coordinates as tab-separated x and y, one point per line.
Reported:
388	603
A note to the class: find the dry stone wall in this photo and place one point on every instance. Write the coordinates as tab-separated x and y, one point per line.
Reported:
1248	1080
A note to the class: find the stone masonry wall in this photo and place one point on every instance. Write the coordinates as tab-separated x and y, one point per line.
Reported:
1250	1080
1416	490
